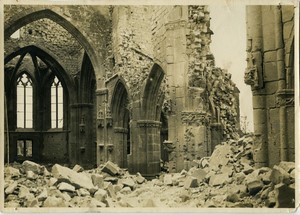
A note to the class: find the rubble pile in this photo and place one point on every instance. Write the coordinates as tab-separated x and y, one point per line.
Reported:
224	102
226	179
32	185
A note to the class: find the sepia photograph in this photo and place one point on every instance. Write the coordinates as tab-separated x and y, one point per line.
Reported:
149	107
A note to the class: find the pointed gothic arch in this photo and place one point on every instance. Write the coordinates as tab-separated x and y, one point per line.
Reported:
151	97
34	14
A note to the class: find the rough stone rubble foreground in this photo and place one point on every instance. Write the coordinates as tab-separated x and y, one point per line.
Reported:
226	179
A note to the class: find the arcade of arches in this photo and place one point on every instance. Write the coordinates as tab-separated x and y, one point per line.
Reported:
135	85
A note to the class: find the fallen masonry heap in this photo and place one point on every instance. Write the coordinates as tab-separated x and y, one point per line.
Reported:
226	179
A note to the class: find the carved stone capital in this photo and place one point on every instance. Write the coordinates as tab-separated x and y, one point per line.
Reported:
285	98
149	123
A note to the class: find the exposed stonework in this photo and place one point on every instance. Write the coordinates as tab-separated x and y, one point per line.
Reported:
59	43
141	83
270	74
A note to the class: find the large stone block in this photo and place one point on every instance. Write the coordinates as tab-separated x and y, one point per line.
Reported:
139	178
199	174
271	87
219	179
190	182
53	201
255	186
270	71
128	182
220	156
77	168
100	195
280	175
258	101
31	166
66	187
285	196
270	56
98	180
43	195
287	166
23	192
168	180
79	180
11	172
11	188
288	12
111	191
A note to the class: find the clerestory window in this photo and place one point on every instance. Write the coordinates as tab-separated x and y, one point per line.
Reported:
56	104
24	102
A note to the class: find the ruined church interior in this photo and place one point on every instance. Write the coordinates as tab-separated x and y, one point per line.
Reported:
137	87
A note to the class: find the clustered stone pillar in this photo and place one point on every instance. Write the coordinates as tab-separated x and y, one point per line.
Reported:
176	76
120	143
80	142
268	34
145	157
102	126
253	77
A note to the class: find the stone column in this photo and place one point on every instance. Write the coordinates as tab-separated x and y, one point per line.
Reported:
253	77
120	142
281	83
73	135
177	77
81	145
102	134
145	157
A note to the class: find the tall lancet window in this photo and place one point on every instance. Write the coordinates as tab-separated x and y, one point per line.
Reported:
24	101
56	104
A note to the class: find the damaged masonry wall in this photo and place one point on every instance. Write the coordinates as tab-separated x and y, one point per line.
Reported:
153	71
203	74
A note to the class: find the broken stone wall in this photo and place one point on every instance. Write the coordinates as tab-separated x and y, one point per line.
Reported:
270	72
59	43
90	25
132	45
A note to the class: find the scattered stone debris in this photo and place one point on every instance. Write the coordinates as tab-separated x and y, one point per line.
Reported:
226	179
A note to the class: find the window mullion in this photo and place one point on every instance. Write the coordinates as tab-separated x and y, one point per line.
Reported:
56	105
24	106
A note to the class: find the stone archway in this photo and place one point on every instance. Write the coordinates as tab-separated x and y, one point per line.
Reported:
45	68
52	62
36	13
82	108
146	152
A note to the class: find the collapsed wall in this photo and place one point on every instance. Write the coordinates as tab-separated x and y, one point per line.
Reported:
195	102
